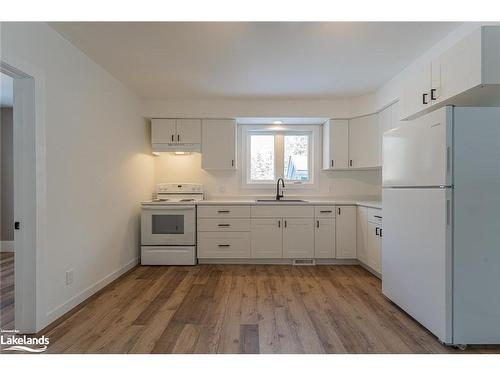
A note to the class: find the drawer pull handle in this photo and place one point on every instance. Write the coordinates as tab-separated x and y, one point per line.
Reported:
223	245
377	216
326	211
224	225
223	211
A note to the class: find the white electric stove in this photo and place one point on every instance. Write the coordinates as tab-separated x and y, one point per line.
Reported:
168	225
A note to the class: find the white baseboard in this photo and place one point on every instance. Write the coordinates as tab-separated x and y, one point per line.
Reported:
82	296
274	261
7	246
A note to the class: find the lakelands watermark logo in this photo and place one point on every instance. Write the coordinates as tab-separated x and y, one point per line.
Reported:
10	341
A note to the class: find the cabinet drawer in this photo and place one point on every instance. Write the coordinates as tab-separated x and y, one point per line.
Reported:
224	245
375	215
282	211
224	211
223	225
324	211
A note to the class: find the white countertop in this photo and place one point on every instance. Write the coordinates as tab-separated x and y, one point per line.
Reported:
307	202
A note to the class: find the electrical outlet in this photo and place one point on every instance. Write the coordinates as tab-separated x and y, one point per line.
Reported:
70	276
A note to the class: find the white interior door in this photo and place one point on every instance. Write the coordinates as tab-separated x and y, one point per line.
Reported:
419	154
416	255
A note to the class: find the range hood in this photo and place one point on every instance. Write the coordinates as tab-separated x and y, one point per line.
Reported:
176	147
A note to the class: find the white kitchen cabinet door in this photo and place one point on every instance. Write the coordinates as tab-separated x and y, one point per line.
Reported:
324	238
345	232
385	124
163	131
188	131
336	144
267	238
416	90
298	238
218	145
396	116
374	244
364	138
361	234
458	69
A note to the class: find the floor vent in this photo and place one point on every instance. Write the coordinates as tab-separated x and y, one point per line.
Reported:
304	262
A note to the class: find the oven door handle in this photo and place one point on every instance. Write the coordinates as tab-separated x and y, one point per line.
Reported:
169	208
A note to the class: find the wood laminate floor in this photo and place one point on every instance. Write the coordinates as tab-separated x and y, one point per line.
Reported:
7	290
243	309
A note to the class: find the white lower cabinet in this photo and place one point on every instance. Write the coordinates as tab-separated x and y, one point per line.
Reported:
324	238
267	238
345	232
374	246
298	238
369	237
362	235
224	245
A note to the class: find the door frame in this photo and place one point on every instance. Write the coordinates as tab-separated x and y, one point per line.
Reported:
27	192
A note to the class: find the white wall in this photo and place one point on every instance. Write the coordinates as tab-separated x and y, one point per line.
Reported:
338	184
97	162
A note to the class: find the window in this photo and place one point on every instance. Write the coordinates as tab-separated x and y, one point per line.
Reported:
271	154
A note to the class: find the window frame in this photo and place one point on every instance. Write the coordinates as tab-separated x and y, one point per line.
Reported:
311	131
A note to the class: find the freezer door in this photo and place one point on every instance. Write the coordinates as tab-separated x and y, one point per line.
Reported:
416	255
419	153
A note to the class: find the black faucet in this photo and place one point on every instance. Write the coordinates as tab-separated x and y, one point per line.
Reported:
278	195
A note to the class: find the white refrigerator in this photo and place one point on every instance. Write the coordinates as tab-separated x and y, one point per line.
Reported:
441	244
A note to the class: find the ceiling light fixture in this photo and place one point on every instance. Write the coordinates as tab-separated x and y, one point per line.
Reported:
277	122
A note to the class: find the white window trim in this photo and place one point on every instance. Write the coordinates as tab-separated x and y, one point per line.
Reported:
313	130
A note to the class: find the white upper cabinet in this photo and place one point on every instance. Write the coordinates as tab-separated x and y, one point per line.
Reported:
176	134
415	96
218	144
388	119
336	144
162	131
188	131
465	74
364	144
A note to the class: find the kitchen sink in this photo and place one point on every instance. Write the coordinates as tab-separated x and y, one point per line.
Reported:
280	201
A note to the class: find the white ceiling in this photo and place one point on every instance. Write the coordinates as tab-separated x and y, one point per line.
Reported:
6	91
286	60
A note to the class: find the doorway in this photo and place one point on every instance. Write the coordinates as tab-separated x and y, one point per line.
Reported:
18	201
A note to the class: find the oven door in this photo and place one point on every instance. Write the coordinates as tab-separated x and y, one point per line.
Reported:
174	225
